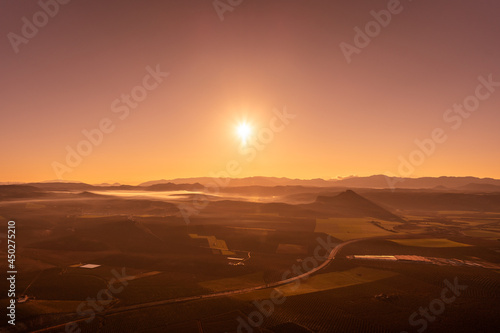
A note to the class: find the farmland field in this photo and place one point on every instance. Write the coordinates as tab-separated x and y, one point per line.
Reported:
428	242
181	273
352	228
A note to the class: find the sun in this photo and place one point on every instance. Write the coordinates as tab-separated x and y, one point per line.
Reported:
244	130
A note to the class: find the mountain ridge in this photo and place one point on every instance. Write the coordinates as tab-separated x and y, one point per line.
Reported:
374	181
468	183
351	204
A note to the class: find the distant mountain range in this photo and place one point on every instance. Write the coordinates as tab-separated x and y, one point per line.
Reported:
462	184
248	181
376	181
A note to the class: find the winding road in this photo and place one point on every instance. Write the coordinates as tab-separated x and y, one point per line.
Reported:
330	258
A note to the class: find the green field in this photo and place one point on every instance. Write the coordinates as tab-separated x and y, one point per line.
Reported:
326	281
244	281
482	234
291	249
215	244
428	242
352	228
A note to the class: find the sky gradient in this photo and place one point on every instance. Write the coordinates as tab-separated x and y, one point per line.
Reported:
351	118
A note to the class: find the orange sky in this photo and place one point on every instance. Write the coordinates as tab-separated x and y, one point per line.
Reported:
357	118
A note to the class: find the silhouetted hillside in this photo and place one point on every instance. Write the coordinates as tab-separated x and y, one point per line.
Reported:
351	204
19	191
475	187
86	194
435	201
56	186
175	187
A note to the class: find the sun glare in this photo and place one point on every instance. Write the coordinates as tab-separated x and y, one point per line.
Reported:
244	132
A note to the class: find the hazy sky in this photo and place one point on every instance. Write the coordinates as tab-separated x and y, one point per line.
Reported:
357	118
